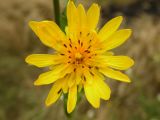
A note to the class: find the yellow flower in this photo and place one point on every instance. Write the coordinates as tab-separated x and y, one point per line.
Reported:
82	56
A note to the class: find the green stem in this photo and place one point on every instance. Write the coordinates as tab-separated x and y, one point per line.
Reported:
57	11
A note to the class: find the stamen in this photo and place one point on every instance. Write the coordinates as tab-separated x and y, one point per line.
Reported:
84	78
78	41
91	73
87	51
70	45
62	54
81	43
70	40
78	61
89	67
96	67
59	91
88	34
69	51
65	45
89	47
74	69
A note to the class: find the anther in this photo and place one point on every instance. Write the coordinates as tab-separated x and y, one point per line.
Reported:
89	67
84	78
81	43
78	41
65	45
91	73
88	34
74	70
59	91
89	47
80	33
70	40
69	51
61	54
70	45
87	51
97	67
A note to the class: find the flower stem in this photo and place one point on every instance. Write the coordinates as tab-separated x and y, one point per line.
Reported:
57	11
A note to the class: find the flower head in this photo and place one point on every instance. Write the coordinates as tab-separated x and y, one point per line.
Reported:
82	55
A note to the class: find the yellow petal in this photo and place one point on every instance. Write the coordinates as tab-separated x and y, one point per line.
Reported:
109	53
72	16
47	78
41	60
51	76
82	16
102	88
106	53
78	76
65	84
109	28
93	16
72	99
54	93
48	32
92	95
71	79
88	76
116	39
119	62
117	75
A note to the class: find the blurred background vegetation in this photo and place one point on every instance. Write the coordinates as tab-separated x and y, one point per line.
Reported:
20	100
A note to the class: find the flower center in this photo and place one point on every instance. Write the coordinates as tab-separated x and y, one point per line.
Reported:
81	49
78	56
